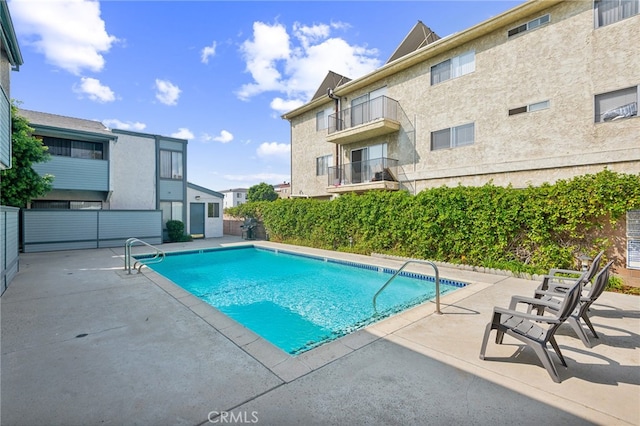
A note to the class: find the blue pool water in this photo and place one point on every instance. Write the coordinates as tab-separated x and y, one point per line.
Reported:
295	302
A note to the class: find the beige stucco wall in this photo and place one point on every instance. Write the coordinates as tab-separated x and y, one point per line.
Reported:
566	62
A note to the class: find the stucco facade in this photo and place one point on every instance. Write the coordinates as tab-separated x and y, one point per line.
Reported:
133	166
556	70
205	212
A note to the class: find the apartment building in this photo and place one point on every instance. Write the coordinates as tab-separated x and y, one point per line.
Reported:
108	185
234	197
10	59
547	90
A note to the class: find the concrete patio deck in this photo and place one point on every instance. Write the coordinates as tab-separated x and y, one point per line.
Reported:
84	343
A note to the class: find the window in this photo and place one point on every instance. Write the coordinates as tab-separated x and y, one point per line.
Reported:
213	210
171	210
74	149
454	67
538	22
529	108
453	137
323	164
616	105
610	11
170	164
67	205
322	119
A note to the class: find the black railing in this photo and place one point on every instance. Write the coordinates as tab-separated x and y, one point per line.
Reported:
374	170
380	107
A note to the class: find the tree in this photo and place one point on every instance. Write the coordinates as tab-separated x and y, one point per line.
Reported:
20	184
262	192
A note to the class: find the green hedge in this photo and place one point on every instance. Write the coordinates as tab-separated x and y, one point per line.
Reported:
522	230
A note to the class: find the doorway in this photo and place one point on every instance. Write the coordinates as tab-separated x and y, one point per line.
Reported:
196	219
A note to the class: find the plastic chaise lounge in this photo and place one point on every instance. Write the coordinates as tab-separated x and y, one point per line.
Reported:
532	329
588	296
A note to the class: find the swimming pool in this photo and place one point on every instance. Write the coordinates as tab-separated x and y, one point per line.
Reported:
295	301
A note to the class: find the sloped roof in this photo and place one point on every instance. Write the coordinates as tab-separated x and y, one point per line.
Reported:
419	36
204	190
52	121
331	81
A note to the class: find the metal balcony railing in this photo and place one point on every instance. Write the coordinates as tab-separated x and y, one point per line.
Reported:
374	170
380	107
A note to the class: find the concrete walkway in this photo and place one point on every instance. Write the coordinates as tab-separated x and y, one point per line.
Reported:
84	343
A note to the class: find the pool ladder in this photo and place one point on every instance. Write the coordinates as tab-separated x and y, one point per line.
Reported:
424	262
157	257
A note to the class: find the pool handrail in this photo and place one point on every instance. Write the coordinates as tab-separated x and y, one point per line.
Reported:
157	257
424	262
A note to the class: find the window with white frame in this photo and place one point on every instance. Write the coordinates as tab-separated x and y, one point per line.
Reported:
322	119
322	164
533	24
610	11
616	105
529	108
453	137
170	164
454	67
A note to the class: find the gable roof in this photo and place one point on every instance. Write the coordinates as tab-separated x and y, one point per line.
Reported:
419	36
331	81
433	49
204	190
45	122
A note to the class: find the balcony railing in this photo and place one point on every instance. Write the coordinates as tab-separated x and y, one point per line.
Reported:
380	107
374	170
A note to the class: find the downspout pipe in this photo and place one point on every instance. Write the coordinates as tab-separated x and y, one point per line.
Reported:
336	99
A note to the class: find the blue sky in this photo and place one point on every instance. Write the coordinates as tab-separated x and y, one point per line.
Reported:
219	74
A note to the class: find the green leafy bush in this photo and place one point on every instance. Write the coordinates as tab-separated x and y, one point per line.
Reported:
526	230
175	229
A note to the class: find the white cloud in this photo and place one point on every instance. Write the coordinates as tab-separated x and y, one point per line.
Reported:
274	149
70	33
182	133
167	92
114	123
92	88
295	64
223	137
270	44
282	105
208	52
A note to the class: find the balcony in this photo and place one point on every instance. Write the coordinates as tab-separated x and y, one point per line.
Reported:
362	176
76	173
369	119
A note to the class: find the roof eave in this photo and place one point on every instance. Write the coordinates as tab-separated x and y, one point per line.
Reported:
442	45
10	39
53	130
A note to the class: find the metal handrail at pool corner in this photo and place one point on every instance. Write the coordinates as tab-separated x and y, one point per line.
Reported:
424	262
157	257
